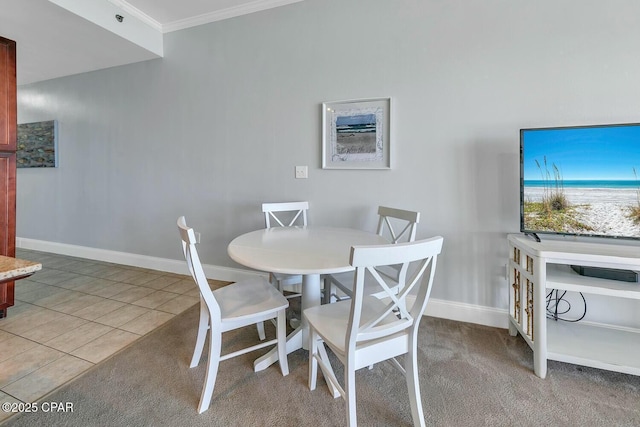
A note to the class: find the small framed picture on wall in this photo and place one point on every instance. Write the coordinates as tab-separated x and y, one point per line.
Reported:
356	134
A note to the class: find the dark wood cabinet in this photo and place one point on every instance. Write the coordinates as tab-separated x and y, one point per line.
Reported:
8	125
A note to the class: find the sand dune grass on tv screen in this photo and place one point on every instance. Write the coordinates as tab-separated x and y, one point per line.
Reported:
538	216
635	209
596	218
585	211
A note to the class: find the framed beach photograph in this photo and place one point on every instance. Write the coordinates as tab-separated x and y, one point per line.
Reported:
356	134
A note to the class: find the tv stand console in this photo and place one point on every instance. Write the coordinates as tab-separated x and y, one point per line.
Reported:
537	267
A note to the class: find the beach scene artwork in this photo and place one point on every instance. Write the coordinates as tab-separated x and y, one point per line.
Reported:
582	181
356	134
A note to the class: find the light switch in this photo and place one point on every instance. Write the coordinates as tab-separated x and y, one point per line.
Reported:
302	172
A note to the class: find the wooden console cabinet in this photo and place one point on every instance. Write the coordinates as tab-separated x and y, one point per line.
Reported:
535	268
8	125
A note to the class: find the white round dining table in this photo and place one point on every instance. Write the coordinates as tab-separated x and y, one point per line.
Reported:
310	251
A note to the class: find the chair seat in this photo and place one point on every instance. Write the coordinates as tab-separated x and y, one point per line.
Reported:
290	283
331	321
248	299
288	279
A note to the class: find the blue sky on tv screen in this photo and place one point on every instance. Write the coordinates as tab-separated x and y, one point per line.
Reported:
592	153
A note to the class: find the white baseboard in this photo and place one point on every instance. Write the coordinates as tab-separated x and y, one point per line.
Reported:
437	308
488	316
135	260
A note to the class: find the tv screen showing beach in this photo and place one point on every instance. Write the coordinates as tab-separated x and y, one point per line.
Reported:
581	180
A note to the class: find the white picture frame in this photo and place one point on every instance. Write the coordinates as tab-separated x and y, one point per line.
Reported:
356	134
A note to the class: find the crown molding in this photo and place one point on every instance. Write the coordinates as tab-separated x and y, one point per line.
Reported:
205	18
103	14
137	13
231	12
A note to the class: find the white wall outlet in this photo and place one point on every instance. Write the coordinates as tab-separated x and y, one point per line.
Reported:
197	236
302	172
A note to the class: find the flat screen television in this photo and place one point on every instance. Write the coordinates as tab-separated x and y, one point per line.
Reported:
581	180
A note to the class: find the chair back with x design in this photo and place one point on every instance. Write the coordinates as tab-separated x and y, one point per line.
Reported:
370	329
287	214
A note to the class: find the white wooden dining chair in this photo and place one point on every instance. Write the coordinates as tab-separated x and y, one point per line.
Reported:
397	225
284	214
287	214
230	307
366	330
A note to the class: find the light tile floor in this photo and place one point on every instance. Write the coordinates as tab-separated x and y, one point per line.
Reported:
75	313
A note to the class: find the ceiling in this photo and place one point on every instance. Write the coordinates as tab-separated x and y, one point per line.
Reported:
57	38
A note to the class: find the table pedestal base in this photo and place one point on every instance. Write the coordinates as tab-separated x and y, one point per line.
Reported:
299	338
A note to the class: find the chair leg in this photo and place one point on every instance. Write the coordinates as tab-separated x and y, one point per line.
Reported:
281	336
203	326
215	342
327	291
313	363
260	327
413	385
350	391
274	282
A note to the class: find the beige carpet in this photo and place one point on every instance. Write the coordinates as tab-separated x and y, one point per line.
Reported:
470	376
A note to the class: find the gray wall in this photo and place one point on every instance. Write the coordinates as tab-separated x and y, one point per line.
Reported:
217	126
